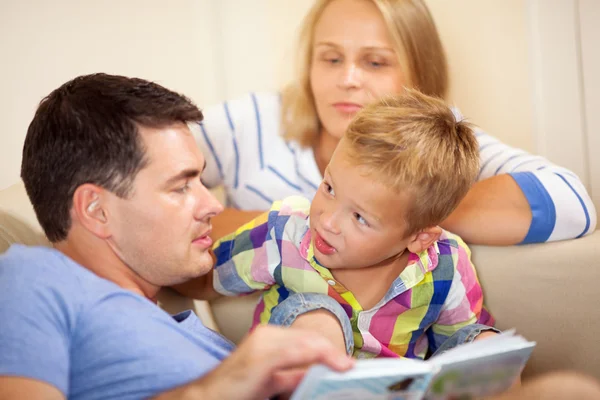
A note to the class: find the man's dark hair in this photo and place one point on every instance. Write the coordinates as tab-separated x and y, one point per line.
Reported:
86	131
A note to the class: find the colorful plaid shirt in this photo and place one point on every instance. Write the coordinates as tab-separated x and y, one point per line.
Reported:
434	296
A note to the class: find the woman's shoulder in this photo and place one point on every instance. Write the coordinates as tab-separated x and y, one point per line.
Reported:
248	104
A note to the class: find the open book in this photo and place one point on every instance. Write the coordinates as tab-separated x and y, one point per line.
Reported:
480	368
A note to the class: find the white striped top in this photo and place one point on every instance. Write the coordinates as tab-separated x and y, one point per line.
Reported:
246	153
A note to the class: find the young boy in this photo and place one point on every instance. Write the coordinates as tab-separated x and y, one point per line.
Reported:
370	239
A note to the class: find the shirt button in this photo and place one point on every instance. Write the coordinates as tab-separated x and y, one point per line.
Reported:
331	282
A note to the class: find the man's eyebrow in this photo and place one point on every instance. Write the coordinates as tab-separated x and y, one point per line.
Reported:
185	174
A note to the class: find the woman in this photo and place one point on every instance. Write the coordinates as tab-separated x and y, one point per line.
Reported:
264	147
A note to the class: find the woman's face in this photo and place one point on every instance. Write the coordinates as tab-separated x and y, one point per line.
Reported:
353	62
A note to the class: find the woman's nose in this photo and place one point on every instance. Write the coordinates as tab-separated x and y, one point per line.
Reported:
351	76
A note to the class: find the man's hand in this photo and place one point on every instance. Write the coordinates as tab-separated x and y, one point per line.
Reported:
269	361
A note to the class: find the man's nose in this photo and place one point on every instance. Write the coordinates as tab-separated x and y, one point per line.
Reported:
207	205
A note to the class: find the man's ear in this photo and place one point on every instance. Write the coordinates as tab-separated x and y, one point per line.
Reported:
89	207
423	239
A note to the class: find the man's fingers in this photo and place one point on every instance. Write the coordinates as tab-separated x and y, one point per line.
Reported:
301	348
287	381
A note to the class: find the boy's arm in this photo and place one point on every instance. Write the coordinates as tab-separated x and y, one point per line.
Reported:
245	259
464	303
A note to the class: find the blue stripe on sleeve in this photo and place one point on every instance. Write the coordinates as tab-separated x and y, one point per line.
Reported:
585	210
283	178
235	146
485	146
259	194
525	162
212	149
487	162
543	210
258	131
507	161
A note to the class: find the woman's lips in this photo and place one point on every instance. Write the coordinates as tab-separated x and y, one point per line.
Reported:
347	108
322	246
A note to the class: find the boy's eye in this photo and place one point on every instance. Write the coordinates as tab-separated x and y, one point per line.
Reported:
360	219
328	188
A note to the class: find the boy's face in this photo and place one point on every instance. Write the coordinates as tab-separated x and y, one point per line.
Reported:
356	221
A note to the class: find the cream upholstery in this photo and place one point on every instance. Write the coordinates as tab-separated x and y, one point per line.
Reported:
549	292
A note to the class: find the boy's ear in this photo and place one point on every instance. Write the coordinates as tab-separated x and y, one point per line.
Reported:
89	209
423	239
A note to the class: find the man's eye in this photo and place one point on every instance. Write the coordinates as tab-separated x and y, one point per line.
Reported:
183	189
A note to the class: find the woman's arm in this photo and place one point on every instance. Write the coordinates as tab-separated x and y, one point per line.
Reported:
494	212
520	198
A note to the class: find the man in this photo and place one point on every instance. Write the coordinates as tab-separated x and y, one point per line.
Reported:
113	174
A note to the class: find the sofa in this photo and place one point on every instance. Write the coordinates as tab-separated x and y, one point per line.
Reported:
536	289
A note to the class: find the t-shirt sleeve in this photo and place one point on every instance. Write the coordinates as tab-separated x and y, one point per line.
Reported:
36	323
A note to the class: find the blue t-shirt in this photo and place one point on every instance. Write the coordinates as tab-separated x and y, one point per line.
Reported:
63	325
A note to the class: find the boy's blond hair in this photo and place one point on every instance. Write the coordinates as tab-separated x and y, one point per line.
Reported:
417	45
414	144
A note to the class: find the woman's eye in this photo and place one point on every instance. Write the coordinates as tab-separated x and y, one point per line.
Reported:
333	60
376	63
360	219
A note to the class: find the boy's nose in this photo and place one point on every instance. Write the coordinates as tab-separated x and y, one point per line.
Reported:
329	222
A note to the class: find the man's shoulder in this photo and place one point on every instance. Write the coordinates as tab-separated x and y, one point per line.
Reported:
33	273
42	262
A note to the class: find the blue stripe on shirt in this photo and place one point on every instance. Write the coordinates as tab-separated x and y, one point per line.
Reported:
260	194
212	149
543	210
258	131
235	146
283	178
585	210
305	179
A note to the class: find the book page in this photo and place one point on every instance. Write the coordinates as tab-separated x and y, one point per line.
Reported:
375	379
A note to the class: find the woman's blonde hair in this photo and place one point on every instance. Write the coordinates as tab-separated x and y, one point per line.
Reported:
413	144
417	44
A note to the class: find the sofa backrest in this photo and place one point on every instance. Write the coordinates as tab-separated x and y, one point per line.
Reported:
548	292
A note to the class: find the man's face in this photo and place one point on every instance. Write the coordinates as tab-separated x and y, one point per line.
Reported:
162	230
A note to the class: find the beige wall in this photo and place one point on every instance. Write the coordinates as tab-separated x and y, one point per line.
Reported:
45	43
215	49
